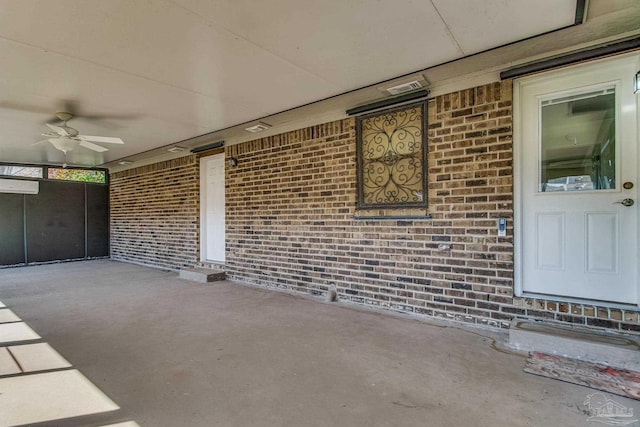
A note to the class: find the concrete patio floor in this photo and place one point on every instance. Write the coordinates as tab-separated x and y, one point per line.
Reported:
176	353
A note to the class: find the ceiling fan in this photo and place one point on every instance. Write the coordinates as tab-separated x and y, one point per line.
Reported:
65	138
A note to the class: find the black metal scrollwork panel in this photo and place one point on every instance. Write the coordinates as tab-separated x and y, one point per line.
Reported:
391	159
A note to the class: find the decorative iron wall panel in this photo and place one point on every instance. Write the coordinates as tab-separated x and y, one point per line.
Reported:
391	150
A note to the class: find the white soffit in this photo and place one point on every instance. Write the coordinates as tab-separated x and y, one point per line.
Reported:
360	42
482	25
348	43
170	70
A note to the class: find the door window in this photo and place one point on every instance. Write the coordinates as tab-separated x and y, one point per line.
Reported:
578	142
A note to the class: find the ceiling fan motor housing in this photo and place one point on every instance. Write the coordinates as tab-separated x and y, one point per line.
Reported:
64	116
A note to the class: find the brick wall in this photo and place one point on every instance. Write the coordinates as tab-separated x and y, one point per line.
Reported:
291	207
291	220
155	214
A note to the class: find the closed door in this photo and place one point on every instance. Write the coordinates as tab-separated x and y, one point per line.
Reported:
577	182
212	209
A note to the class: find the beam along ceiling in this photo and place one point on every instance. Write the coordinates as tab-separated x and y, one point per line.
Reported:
156	72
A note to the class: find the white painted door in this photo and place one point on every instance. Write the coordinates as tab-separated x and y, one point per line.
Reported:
212	207
576	163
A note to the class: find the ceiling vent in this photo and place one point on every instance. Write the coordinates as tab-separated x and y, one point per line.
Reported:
176	149
258	128
405	87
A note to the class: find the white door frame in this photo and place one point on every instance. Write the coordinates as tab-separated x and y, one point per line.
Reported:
518	188
204	232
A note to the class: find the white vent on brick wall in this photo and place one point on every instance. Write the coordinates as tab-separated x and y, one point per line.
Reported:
404	88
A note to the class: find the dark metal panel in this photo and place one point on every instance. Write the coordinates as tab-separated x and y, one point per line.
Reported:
607	49
581	8
208	147
388	102
12	229
97	220
55	222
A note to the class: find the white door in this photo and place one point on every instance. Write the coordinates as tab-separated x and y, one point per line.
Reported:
212	209
577	182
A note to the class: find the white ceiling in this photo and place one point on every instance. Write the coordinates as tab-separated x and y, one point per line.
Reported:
156	72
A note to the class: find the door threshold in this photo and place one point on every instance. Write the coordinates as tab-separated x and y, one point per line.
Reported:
577	342
217	265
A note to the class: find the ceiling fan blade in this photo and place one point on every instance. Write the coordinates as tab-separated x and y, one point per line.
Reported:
57	129
41	141
103	139
94	147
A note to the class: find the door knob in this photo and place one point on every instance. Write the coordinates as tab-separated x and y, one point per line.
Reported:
626	202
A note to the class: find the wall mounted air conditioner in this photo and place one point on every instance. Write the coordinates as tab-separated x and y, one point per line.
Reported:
19	186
